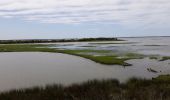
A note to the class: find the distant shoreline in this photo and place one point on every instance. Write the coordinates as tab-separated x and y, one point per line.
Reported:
81	38
142	36
15	41
57	40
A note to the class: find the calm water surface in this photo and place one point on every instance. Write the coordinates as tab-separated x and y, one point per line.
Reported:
27	69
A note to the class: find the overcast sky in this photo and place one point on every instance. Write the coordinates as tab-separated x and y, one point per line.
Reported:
24	19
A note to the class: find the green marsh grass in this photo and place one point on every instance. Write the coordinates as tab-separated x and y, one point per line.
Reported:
108	60
111	89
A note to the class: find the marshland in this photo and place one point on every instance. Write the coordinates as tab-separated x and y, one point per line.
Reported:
118	69
84	49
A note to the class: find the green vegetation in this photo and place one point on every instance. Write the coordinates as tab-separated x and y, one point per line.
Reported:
163	78
97	39
25	48
85	51
134	55
110	59
160	58
154	57
57	40
133	89
165	58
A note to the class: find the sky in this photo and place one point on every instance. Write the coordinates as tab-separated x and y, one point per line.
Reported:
52	19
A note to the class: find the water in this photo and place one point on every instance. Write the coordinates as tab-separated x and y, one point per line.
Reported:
142	45
151	45
28	69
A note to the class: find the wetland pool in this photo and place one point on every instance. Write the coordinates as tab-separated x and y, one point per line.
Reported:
28	69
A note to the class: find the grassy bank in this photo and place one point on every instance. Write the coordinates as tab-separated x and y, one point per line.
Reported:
133	89
110	59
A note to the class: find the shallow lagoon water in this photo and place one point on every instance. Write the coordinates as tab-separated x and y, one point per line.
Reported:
142	45
27	69
151	45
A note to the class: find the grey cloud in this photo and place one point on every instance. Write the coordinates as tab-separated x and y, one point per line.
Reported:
140	12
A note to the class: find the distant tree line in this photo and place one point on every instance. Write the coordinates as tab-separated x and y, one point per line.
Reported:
56	40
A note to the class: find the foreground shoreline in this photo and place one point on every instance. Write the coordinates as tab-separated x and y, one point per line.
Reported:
111	89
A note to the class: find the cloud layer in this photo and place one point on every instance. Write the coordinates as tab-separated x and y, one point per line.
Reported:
143	12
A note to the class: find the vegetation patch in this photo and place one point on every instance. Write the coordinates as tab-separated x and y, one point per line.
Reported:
111	89
57	40
108	57
25	48
134	55
163	78
108	60
165	58
154	57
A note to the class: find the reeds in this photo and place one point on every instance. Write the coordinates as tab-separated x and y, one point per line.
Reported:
133	89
